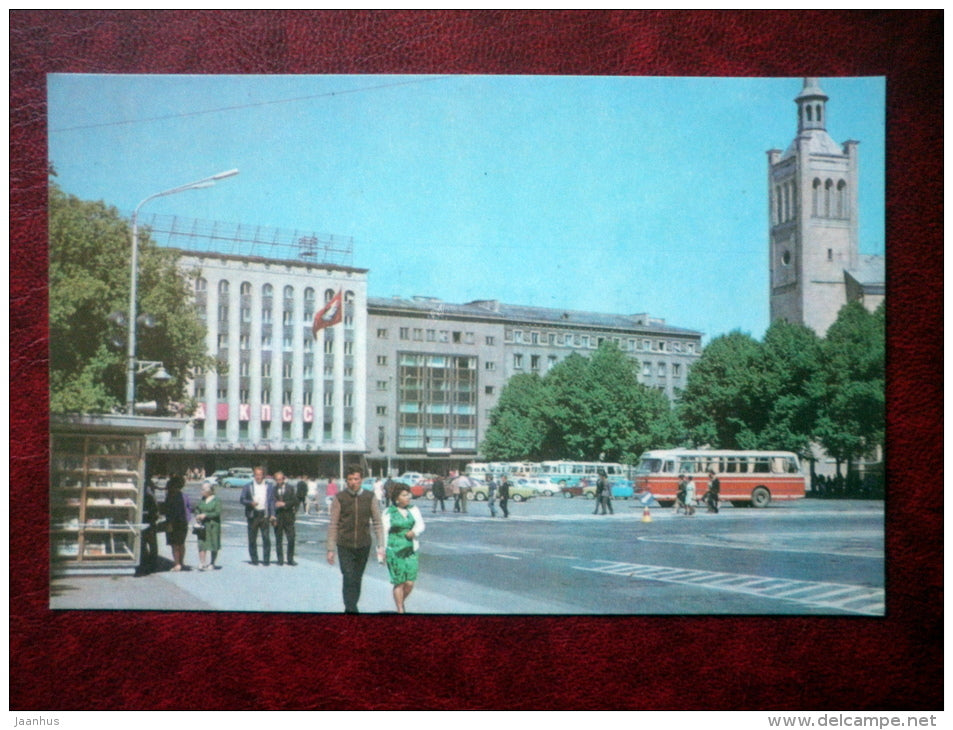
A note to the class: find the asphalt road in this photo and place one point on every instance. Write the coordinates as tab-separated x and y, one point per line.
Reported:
553	556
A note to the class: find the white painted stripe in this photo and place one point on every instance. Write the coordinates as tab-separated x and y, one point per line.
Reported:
866	600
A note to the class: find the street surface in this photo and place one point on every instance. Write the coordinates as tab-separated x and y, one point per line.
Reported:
553	556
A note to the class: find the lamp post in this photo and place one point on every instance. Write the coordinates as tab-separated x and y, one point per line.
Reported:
131	362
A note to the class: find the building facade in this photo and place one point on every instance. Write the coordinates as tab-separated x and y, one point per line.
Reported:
815	264
436	369
282	390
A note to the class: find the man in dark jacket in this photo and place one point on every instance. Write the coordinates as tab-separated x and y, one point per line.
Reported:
286	505
353	511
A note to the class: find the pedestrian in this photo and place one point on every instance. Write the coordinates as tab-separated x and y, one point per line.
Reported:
606	493
302	493
461	486
402	525
714	491
504	492
312	498
680	494
353	511
176	509
286	507
491	494
439	493
208	514
258	496
150	541
330	493
379	494
689	496
454	491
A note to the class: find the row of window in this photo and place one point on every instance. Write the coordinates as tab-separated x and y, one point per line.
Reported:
268	291
829	199
287	343
535	362
276	431
244	396
574	339
419	334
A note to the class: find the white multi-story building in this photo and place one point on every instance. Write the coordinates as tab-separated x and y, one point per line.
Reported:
282	390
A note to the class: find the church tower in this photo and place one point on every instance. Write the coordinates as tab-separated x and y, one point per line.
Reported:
812	190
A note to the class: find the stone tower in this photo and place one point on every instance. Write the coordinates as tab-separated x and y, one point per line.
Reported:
812	190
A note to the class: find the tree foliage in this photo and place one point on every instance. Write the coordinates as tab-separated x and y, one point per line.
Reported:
583	409
792	389
89	279
850	388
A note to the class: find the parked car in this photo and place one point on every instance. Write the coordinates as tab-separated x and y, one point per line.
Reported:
621	489
410	477
241	471
518	492
368	483
216	477
543	485
238	481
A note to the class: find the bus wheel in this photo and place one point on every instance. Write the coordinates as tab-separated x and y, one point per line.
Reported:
760	497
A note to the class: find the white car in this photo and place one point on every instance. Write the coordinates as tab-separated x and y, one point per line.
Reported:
410	477
541	485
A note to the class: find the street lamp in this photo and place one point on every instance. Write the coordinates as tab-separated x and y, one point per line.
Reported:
131	362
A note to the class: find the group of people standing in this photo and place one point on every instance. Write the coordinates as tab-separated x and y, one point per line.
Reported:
460	487
686	495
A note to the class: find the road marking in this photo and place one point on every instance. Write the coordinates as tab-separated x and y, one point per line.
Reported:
865	600
860	543
508	557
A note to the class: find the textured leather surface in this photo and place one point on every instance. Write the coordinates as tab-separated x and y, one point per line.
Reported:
154	660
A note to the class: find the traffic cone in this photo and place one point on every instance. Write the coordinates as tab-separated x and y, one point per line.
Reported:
646	515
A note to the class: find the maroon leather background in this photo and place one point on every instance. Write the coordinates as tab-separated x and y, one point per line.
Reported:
155	660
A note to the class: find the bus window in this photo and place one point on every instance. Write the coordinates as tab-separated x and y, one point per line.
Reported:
761	465
669	467
649	466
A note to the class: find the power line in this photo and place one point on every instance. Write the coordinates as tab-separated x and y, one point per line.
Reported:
249	105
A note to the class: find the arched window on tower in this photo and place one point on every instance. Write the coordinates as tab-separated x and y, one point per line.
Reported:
778	214
842	211
818	114
808	108
828	192
816	198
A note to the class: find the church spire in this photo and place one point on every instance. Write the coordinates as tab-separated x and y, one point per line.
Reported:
811	111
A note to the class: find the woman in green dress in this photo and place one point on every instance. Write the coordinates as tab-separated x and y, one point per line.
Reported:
208	513
402	525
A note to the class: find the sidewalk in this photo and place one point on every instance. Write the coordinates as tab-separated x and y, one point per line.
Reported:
310	587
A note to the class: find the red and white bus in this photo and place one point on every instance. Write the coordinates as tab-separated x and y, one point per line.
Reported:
747	478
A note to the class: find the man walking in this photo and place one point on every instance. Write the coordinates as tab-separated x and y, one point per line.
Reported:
439	493
259	499
461	487
491	494
353	511
504	495
604	493
286	507
714	492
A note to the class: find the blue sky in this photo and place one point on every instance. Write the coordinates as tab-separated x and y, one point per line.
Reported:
607	194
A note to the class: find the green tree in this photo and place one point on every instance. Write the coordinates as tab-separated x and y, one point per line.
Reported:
90	247
790	361
518	423
850	386
584	409
721	406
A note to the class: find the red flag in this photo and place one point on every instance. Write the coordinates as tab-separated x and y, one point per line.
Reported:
330	315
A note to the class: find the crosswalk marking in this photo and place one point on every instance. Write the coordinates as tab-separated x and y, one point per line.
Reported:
865	600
